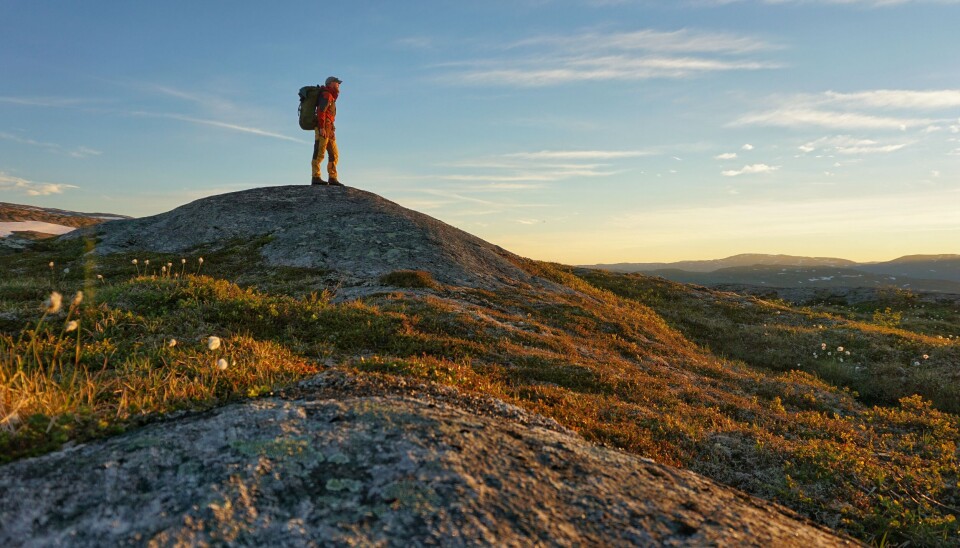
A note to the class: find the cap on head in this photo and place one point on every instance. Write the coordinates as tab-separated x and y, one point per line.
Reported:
331	80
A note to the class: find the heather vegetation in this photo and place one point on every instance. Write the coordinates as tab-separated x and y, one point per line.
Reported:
884	349
822	410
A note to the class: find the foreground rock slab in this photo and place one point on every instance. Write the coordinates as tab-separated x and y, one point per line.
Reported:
387	469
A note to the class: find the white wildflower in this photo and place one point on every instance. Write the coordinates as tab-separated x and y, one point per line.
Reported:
99	276
77	299
222	364
200	260
53	303
915	364
133	261
823	346
213	343
171	343
146	262
839	349
71	325
66	270
183	261
926	357
51	264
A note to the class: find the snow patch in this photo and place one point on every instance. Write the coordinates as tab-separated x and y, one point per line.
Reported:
7	229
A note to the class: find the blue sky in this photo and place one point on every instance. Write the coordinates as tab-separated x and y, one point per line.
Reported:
578	131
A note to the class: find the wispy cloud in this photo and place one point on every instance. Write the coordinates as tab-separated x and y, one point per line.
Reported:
580	69
531	170
591	56
725	156
750	170
78	152
212	109
416	42
870	109
222	125
60	102
31	188
579	154
846	144
898	99
83	152
170	91
469	195
532	176
209	103
683	41
800	116
529	174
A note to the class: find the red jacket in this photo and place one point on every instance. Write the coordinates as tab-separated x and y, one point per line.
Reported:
327	110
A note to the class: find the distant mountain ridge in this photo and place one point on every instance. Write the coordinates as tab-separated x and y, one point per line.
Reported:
710	265
926	267
920	272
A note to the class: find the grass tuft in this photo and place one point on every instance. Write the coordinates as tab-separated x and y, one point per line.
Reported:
413	279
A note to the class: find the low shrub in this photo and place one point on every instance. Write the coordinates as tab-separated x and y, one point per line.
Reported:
412	279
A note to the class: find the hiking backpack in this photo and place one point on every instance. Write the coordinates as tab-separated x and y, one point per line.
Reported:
309	97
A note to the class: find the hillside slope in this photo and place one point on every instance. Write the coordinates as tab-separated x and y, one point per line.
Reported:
245	325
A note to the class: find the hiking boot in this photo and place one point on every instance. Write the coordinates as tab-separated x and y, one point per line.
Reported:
317	181
334	182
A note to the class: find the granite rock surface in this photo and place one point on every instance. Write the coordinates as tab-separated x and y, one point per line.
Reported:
346	462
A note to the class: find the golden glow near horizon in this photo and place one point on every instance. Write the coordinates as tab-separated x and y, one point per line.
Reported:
871	229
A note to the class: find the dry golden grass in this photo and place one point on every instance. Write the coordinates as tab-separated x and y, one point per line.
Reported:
684	376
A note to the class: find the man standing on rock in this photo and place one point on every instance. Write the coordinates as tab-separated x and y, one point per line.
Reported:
325	135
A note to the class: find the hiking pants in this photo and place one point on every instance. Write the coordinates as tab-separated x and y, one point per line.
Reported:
323	145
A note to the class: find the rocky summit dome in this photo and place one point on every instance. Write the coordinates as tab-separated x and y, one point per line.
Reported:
354	232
